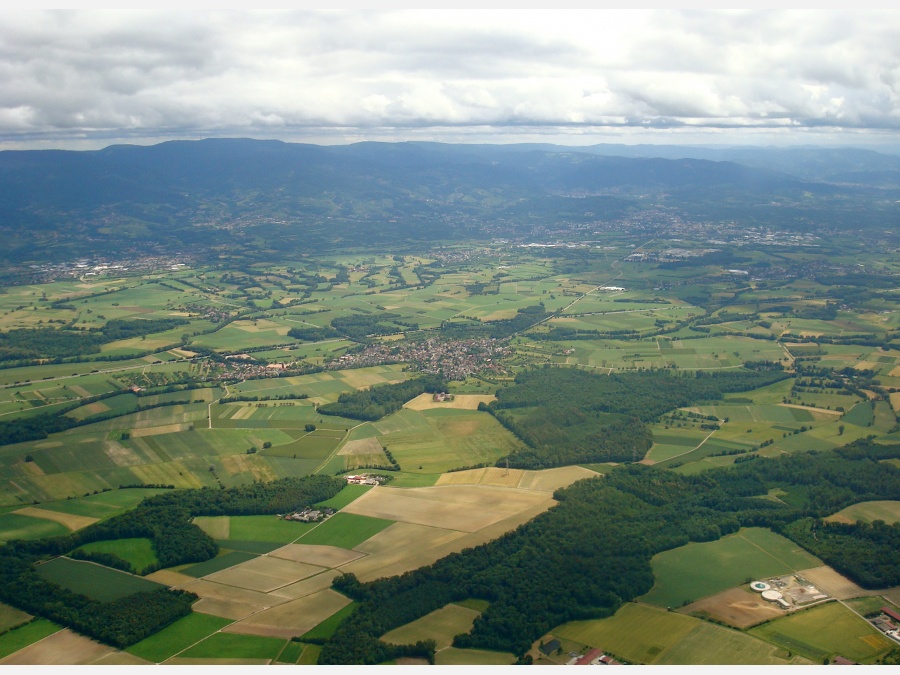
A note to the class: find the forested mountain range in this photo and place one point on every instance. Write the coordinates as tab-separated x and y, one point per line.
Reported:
172	195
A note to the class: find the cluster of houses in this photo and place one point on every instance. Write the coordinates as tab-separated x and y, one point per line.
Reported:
592	657
454	359
888	622
365	479
309	515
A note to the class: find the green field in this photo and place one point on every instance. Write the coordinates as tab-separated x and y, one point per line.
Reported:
235	646
888	511
290	653
17	526
709	644
451	656
103	505
434	441
824	632
642	634
220	562
139	552
310	655
440	625
177	637
94	581
694	571
19	638
266	528
636	633
345	530
326	629
347	495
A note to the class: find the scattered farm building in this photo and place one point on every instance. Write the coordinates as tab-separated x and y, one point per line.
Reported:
589	658
891	613
550	647
365	479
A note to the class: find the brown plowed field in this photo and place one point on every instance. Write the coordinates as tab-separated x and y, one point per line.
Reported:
736	607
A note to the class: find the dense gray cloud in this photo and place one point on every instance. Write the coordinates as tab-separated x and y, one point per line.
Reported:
66	75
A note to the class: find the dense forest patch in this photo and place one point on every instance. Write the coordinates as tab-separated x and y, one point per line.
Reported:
569	416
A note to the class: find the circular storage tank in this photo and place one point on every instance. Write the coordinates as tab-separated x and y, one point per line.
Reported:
771	596
759	586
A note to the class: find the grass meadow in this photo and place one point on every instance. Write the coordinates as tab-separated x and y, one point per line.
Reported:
94	581
825	631
177	637
137	551
694	571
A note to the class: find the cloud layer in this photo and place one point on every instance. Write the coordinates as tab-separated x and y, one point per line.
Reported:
115	75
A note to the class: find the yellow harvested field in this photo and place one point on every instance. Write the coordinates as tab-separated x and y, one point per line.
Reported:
364	446
120	455
389	559
895	399
156	431
95	408
836	585
735	607
264	574
893	594
292	618
823	414
399	541
364	377
454	507
215	591
308	586
217	527
170	578
499	315
888	511
250	464
550	480
484	476
183	353
460	402
63	648
225	608
181	661
245	412
69	520
440	625
546	480
324	556
120	659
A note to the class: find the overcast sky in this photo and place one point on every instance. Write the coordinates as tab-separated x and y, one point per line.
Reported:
83	79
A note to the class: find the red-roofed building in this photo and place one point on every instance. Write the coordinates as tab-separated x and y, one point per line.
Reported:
590	656
891	613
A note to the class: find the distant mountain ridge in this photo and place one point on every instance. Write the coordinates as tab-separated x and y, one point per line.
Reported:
174	192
